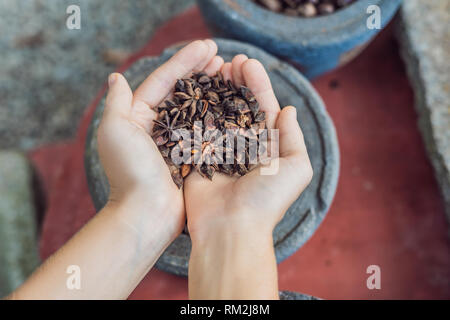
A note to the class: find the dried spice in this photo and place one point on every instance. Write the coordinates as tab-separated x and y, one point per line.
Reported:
304	8
218	107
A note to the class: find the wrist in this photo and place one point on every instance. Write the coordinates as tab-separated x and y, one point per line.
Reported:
153	217
232	231
241	224
233	262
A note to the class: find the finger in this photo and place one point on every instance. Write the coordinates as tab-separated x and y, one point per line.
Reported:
236	69
143	116
226	71
291	141
119	97
257	80
214	65
212	51
162	80
293	168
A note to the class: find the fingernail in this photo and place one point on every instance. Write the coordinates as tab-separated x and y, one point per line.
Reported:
294	111
111	79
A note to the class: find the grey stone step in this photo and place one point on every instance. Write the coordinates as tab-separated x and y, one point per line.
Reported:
49	74
424	34
18	239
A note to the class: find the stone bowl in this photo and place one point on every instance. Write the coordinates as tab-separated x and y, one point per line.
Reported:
291	88
290	295
317	44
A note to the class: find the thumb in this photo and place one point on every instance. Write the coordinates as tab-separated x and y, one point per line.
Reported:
119	98
291	137
293	148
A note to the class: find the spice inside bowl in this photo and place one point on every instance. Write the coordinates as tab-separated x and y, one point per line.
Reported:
304	8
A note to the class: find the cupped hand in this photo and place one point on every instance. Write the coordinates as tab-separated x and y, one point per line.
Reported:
255	201
134	167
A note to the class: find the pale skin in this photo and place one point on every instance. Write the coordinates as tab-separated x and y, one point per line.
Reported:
232	255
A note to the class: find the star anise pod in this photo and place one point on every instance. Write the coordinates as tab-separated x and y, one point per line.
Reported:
220	107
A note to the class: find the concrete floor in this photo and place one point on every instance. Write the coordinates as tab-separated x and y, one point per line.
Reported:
48	73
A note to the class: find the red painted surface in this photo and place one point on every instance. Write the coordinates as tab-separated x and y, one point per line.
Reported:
387	210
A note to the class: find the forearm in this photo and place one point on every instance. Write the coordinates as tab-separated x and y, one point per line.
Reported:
233	263
114	251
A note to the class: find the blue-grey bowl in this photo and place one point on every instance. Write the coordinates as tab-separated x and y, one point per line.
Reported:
317	45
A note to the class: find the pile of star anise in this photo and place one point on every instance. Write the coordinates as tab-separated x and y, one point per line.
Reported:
304	8
220	107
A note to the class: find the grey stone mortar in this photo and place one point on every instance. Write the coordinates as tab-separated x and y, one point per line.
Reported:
49	74
18	239
424	34
291	88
